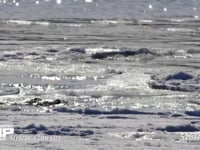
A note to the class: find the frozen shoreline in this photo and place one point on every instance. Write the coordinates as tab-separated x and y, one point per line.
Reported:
100	83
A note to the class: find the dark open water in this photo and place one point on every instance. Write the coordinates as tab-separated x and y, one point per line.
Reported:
98	9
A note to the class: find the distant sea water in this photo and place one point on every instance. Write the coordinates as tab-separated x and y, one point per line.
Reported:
98	9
